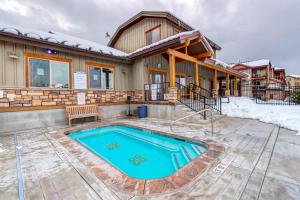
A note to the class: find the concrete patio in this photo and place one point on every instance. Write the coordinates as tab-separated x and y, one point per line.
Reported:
261	161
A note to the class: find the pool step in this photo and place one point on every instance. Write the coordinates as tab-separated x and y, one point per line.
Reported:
178	160
198	149
188	152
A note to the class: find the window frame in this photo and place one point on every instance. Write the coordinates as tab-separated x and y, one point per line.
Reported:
151	29
28	55
90	64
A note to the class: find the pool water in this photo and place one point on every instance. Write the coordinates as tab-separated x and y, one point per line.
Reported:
138	153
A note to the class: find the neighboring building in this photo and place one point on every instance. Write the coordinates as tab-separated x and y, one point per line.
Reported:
45	70
263	79
293	80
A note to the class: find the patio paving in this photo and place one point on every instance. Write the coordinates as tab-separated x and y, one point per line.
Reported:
261	162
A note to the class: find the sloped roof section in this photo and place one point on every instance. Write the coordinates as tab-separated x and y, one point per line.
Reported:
154	14
254	63
174	39
62	39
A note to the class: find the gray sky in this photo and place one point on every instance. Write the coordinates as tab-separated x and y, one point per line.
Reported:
245	29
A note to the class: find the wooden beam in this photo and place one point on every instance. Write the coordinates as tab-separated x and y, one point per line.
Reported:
181	55
196	78
185	44
196	41
172	70
203	55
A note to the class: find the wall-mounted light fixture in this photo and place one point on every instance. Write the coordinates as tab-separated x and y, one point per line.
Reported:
50	51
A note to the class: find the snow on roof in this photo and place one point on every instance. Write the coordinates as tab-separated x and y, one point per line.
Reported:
294	75
62	39
257	63
182	35
278	68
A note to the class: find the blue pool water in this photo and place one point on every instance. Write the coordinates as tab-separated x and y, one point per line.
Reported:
138	153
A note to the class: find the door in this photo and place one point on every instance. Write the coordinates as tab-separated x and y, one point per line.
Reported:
157	85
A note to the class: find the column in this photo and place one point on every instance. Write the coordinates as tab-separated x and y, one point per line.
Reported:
172	70
196	74
236	93
172	96
227	91
215	82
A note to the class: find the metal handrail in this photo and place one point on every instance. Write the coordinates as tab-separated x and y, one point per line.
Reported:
201	111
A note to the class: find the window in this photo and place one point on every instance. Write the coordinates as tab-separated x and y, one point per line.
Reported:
100	78
48	73
153	35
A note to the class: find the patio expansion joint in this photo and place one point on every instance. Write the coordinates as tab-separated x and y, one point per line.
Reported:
245	184
71	165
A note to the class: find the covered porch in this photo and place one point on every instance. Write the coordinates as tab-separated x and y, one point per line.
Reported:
191	64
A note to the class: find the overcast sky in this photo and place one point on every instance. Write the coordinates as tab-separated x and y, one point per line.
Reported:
245	29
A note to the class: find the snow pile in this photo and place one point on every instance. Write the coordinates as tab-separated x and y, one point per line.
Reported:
284	116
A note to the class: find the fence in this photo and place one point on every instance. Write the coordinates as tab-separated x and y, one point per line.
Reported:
272	93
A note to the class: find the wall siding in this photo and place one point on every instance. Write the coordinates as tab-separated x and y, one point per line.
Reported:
134	37
12	71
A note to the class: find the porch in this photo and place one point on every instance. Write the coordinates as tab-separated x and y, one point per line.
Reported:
190	65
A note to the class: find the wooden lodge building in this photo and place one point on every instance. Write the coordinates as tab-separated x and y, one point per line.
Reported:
49	70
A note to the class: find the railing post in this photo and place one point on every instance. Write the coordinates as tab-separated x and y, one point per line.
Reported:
220	106
204	107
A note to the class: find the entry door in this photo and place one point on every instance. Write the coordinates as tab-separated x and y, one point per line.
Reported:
157	80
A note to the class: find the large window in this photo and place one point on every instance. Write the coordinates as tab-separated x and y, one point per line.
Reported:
153	35
48	73
100	78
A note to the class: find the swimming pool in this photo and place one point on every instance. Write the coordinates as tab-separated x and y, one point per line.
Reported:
138	153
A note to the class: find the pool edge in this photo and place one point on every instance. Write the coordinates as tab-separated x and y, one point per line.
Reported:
120	181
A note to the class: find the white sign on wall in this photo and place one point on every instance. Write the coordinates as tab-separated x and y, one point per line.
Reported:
81	98
1	93
80	80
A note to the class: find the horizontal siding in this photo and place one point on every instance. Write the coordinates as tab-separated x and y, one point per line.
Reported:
12	71
134	37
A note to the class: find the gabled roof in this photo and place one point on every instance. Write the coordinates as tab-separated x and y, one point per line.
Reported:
60	39
154	14
171	41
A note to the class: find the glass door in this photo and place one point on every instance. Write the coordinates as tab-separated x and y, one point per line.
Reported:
157	85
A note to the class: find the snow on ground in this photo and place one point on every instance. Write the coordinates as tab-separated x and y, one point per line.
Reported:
284	116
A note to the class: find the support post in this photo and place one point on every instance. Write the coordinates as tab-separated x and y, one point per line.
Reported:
215	81
227	91
172	70
196	77
236	93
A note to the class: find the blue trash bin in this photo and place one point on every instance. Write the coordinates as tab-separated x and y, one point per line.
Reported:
142	111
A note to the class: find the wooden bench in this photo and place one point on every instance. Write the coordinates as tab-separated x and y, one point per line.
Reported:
82	111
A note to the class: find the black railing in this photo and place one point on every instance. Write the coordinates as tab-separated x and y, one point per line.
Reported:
209	94
197	101
273	93
156	91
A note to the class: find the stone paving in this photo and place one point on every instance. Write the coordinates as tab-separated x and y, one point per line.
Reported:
261	161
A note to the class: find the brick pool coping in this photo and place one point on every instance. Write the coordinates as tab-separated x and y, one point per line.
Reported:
120	181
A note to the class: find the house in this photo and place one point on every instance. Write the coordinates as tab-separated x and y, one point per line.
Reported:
263	79
147	54
293	80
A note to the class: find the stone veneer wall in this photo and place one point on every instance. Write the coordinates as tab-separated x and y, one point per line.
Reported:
13	98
